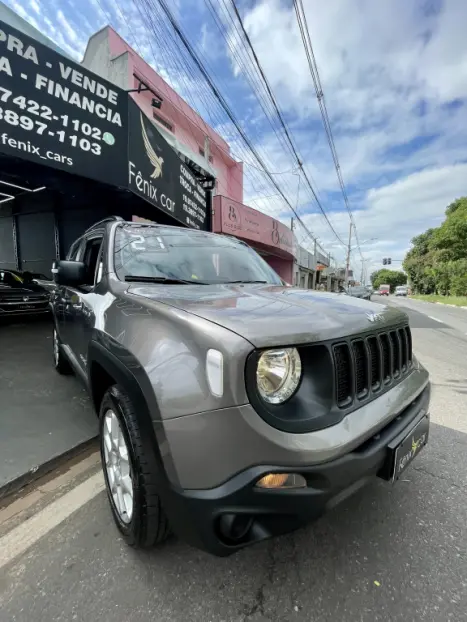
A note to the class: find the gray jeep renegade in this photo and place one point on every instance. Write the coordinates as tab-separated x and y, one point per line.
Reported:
232	408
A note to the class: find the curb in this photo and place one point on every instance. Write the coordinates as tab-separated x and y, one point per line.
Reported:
39	471
444	304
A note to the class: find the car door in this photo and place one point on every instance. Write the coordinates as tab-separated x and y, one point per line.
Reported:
85	300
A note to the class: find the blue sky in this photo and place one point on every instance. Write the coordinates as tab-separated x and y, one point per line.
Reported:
394	75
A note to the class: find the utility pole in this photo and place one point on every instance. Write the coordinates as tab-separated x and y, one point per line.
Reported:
347	265
313	283
361	276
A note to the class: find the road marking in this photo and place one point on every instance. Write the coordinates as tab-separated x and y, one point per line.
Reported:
435	319
18	540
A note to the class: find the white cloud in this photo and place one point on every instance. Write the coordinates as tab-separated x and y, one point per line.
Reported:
35	6
390	80
70	32
395	213
18	8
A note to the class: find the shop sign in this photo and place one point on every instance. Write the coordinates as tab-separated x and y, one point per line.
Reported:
55	112
157	174
249	224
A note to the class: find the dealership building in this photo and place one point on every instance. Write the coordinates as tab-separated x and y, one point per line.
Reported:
79	142
75	148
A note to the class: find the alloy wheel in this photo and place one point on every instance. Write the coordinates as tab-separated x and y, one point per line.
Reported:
56	348
117	465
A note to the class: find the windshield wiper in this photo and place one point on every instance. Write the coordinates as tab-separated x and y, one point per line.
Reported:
132	278
230	282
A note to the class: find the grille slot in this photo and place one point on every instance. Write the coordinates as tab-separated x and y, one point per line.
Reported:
396	354
386	351
408	334
403	341
363	366
375	363
344	382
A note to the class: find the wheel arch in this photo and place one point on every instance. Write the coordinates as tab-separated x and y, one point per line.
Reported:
106	369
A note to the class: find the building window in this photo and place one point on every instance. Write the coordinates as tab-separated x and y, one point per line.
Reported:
203	153
162	121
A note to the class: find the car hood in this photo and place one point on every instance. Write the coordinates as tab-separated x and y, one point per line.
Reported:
269	315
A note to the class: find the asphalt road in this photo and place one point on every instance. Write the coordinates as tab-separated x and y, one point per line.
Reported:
389	553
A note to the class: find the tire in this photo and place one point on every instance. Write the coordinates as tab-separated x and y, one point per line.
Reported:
61	363
144	523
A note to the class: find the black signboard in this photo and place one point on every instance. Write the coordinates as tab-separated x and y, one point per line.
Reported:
55	112
156	173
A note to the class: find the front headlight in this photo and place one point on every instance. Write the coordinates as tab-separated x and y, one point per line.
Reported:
278	374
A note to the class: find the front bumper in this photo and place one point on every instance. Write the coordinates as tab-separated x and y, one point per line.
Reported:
200	516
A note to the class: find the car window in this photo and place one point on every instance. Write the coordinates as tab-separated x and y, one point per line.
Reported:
73	253
188	255
91	258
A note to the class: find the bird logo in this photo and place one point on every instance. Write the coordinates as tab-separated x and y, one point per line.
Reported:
155	160
415	444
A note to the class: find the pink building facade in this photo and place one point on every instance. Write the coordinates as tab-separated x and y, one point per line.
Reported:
268	236
110	56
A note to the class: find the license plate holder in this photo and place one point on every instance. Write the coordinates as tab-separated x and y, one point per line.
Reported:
408	448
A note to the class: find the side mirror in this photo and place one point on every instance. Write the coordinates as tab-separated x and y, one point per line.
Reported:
71	273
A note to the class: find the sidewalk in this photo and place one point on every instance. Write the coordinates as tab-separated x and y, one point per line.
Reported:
44	417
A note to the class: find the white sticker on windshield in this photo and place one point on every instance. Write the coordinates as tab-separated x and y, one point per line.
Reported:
138	242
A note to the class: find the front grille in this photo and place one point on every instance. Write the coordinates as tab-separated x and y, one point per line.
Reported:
363	366
20	298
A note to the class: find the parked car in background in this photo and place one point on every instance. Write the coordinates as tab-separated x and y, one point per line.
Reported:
401	290
359	291
44	281
20	295
384	290
231	408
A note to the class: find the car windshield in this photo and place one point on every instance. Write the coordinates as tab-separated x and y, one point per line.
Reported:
186	256
10	278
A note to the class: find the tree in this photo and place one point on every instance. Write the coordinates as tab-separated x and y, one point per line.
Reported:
451	236
437	261
393	278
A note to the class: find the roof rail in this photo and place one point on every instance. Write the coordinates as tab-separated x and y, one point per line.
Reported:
104	221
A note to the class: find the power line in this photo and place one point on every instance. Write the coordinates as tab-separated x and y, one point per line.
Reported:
306	39
162	34
225	105
281	118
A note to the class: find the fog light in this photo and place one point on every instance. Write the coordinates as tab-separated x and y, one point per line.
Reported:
282	480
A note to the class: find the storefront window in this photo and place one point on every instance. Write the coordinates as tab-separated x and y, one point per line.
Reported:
186	255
